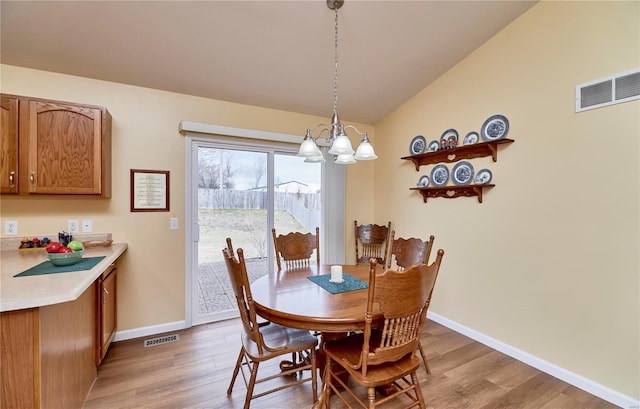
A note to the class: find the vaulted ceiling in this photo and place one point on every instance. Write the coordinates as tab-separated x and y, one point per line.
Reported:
275	54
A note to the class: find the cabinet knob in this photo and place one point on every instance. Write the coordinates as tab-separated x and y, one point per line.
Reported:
106	292
11	179
32	179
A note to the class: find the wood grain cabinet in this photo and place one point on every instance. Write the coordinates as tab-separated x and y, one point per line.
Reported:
61	148
50	354
47	355
9	152
106	311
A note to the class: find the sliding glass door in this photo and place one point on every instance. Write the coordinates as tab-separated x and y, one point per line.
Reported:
242	192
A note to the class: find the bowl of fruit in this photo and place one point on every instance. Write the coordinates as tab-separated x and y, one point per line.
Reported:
61	255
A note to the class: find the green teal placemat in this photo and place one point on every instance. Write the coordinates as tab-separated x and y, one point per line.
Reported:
47	267
350	283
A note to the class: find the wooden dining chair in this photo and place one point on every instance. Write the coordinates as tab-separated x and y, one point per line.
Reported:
372	241
262	343
296	249
404	253
385	353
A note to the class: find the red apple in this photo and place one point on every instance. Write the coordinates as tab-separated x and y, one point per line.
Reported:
54	247
65	249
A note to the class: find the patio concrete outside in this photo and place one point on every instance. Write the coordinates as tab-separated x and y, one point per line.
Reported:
216	294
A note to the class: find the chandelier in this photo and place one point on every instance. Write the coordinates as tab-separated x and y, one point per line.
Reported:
336	137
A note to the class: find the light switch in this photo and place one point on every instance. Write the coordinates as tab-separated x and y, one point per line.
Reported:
173	223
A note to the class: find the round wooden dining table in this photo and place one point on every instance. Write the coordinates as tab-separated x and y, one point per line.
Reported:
290	298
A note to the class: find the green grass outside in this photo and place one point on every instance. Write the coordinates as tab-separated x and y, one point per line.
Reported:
247	229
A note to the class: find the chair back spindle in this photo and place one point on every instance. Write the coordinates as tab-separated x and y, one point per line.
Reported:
296	249
372	241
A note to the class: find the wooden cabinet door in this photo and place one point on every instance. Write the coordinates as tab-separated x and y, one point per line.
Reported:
107	316
65	148
19	347
9	145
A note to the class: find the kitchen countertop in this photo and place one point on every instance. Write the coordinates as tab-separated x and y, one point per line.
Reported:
18	293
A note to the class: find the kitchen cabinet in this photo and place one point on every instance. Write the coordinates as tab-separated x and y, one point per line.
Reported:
62	148
49	336
48	354
106	311
9	141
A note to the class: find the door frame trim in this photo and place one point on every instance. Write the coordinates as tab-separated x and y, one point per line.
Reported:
333	176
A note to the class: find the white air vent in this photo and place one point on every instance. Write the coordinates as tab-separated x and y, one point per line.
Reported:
161	340
608	91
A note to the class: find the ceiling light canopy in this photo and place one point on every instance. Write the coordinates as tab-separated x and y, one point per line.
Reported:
336	138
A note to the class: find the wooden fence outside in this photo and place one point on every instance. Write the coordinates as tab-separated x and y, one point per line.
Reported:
304	207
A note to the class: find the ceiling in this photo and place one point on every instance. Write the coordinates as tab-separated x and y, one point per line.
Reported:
275	54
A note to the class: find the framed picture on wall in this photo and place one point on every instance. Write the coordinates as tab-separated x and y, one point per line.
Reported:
149	190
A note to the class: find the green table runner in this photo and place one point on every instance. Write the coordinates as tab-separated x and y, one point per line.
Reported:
47	267
350	283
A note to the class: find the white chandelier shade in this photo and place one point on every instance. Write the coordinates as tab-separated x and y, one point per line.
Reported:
341	146
365	150
308	148
346	159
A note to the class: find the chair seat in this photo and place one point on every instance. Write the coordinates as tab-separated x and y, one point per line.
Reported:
350	349
284	339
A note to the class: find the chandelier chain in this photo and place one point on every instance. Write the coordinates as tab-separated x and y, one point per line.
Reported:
336	136
335	58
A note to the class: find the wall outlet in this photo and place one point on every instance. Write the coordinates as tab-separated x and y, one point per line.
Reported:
72	226
87	226
11	227
173	223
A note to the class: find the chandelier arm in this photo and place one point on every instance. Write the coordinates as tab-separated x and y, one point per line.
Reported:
323	128
355	129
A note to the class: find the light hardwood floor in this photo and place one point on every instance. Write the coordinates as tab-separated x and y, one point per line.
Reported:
194	372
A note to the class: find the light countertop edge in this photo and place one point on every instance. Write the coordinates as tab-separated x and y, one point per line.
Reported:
18	293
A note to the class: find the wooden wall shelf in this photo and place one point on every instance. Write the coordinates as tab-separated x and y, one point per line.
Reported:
477	150
450	192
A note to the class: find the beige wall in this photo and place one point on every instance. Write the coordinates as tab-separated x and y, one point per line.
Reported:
549	262
151	283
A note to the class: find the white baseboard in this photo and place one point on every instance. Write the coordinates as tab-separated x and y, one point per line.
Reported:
576	380
151	330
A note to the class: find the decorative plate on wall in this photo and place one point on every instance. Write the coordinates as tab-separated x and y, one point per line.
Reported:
439	175
471	138
483	177
462	173
433	146
494	128
418	145
423	181
450	137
